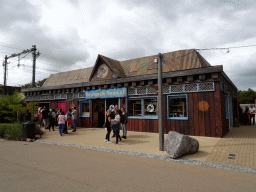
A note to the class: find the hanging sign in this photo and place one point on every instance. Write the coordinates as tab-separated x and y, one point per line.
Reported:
106	93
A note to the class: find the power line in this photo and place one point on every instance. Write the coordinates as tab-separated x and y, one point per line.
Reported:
227	48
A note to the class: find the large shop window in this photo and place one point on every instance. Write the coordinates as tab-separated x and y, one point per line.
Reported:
177	107
84	108
143	108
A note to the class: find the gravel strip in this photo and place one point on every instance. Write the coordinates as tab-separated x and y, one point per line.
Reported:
159	157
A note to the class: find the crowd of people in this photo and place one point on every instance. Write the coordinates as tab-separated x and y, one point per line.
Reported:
49	119
115	121
248	116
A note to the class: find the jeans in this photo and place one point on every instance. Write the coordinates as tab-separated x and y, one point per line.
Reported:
61	128
108	133
74	123
252	117
124	129
116	132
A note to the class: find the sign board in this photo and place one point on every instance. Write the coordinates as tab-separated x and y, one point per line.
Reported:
106	93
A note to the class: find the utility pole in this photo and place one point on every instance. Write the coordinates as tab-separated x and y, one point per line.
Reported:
160	103
34	65
5	69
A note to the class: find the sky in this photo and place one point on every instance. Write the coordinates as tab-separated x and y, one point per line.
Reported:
69	34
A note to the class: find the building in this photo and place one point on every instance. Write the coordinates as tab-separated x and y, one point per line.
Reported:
199	99
8	90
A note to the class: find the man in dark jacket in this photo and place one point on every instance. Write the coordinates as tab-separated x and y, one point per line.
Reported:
45	117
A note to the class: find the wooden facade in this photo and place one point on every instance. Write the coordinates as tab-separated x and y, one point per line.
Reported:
207	95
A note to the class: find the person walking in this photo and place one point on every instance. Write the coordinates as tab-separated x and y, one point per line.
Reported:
69	119
116	126
61	123
107	125
27	116
113	116
45	118
40	116
74	118
52	116
252	114
124	121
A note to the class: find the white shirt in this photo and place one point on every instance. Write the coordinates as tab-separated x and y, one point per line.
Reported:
117	118
252	110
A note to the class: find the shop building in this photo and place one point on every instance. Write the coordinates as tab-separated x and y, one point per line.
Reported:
198	99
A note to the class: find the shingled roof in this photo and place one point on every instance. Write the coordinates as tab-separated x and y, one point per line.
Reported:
173	61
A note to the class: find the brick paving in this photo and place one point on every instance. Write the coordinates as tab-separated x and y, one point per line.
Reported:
237	148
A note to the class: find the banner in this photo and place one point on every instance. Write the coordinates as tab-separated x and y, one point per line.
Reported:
106	93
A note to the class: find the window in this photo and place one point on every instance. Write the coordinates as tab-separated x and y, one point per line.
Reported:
84	108
134	108
150	107
177	107
143	108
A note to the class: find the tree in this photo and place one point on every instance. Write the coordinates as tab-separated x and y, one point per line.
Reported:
13	107
246	97
38	83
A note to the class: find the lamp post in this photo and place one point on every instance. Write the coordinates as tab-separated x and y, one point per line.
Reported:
160	103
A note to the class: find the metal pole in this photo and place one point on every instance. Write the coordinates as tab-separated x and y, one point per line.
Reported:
34	66
160	103
5	69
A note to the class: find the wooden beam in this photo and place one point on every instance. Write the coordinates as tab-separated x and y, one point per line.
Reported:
179	79
119	85
142	83
169	80
190	78
215	75
202	77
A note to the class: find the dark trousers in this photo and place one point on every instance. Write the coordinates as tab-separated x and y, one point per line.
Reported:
116	132
52	124
252	117
108	133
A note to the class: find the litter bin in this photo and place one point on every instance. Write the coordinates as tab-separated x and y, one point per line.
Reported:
28	130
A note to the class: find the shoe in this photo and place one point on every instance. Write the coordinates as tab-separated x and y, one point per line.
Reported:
109	142
113	136
53	130
105	140
116	143
74	131
59	135
121	140
124	137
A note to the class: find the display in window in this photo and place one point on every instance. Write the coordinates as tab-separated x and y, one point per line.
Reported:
177	107
150	107
85	109
134	107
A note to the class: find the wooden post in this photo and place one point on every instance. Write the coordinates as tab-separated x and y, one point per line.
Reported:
160	103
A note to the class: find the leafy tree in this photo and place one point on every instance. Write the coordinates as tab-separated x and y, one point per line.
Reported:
246	97
13	107
38	83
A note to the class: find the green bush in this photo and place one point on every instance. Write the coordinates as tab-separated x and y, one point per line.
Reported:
3	127
13	131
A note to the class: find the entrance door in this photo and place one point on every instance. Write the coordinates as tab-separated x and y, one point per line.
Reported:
98	113
110	103
62	105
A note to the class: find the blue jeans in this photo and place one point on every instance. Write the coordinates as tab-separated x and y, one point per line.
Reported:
74	124
61	128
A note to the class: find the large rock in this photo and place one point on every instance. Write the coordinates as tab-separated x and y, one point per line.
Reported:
178	144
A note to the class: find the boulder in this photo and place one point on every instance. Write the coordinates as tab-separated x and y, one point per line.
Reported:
177	144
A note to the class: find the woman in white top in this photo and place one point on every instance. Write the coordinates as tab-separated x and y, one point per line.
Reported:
61	122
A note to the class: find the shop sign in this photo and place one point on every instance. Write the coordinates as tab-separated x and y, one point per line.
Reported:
108	93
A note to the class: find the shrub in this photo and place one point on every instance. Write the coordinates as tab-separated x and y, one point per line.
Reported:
13	131
3	127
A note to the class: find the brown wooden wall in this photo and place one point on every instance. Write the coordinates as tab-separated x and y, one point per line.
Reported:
211	122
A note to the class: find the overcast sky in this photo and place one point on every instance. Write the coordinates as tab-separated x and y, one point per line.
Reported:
70	34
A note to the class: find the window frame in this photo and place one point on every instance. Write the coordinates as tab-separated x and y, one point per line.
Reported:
142	108
80	108
174	97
